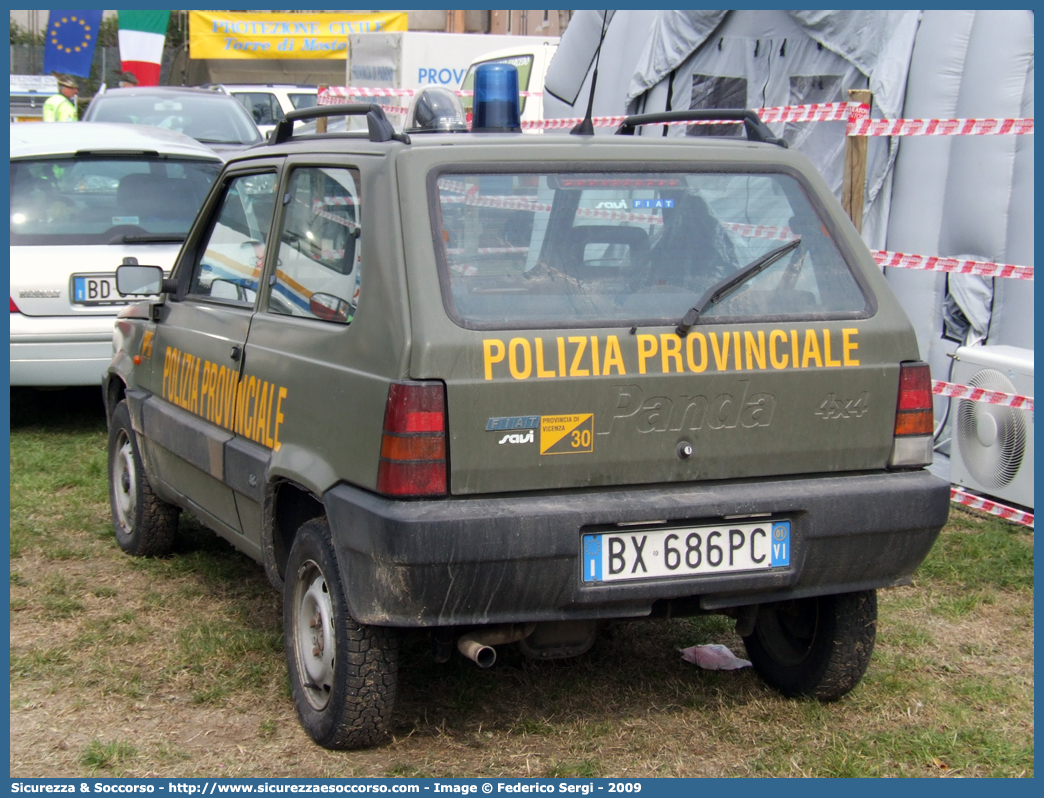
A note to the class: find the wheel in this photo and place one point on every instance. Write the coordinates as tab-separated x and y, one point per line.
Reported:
145	524
343	674
817	647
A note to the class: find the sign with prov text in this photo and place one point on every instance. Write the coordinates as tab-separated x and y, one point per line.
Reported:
220	34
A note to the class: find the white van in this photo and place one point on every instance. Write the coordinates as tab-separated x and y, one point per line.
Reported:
531	57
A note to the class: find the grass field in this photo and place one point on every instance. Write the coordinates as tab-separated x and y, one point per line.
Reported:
174	667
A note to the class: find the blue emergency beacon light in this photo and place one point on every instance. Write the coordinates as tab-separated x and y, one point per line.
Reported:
496	99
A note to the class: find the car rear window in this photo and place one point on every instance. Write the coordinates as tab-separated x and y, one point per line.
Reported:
207	117
106	201
536	250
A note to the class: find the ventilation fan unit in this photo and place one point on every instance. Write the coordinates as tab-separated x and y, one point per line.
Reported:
992	451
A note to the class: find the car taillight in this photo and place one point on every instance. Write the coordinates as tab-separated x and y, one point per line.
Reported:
14	307
413	447
914	417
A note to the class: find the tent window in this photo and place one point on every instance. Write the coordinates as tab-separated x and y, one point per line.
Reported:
714	91
806	90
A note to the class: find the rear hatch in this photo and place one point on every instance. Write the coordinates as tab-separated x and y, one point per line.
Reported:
562	291
68	281
75	218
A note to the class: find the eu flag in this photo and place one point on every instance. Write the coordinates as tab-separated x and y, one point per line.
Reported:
71	36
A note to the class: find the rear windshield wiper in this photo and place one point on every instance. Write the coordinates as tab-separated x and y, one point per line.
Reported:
150	238
723	288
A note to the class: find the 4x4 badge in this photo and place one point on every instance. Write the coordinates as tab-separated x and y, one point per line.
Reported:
831	407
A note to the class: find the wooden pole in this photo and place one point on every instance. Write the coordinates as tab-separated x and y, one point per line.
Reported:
320	122
455	22
853	185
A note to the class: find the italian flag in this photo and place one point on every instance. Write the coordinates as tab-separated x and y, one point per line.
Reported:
141	44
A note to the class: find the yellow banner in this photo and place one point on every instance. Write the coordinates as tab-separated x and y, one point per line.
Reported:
220	34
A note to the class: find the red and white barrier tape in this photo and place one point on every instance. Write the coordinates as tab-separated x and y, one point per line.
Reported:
935	263
490	251
318	205
562	124
993	508
331	94
470	196
940	127
856	114
956	391
899	260
760	231
463	93
317	210
815	112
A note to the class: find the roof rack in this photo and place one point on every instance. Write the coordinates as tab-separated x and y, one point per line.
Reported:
379	126
756	129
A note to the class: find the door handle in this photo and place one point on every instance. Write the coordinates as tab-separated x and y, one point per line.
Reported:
237	352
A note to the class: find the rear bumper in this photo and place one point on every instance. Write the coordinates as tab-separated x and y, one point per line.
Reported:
518	558
60	350
59	364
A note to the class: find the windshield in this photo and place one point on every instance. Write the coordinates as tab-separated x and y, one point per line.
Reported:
524	65
207	117
304	100
581	249
106	200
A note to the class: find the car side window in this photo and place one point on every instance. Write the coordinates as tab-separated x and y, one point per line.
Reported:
263	106
319	267
230	261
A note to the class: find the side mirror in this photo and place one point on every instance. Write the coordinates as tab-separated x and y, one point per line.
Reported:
135	280
330	308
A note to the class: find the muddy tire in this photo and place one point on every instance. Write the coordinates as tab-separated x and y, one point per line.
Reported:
816	647
343	675
145	525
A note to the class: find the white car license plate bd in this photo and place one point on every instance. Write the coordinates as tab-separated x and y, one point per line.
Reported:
95	289
646	553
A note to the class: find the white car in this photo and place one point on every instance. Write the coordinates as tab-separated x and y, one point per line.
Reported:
212	119
83	198
267	103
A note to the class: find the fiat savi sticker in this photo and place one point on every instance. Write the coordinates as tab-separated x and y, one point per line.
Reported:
668	353
567	434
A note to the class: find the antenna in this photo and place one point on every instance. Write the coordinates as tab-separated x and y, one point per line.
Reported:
586	127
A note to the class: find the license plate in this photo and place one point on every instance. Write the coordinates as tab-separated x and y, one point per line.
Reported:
95	289
645	553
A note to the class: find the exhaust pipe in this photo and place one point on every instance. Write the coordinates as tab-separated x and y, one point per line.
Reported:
478	645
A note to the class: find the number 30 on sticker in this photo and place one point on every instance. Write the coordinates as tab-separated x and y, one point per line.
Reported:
571	434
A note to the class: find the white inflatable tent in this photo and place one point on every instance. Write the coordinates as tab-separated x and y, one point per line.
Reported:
960	196
670	60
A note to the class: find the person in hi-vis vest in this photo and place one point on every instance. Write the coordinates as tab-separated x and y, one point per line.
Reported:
60	107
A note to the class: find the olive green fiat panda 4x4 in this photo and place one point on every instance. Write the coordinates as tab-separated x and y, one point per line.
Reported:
506	389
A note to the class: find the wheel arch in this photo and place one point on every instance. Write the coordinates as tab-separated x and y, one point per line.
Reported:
114	392
287	505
